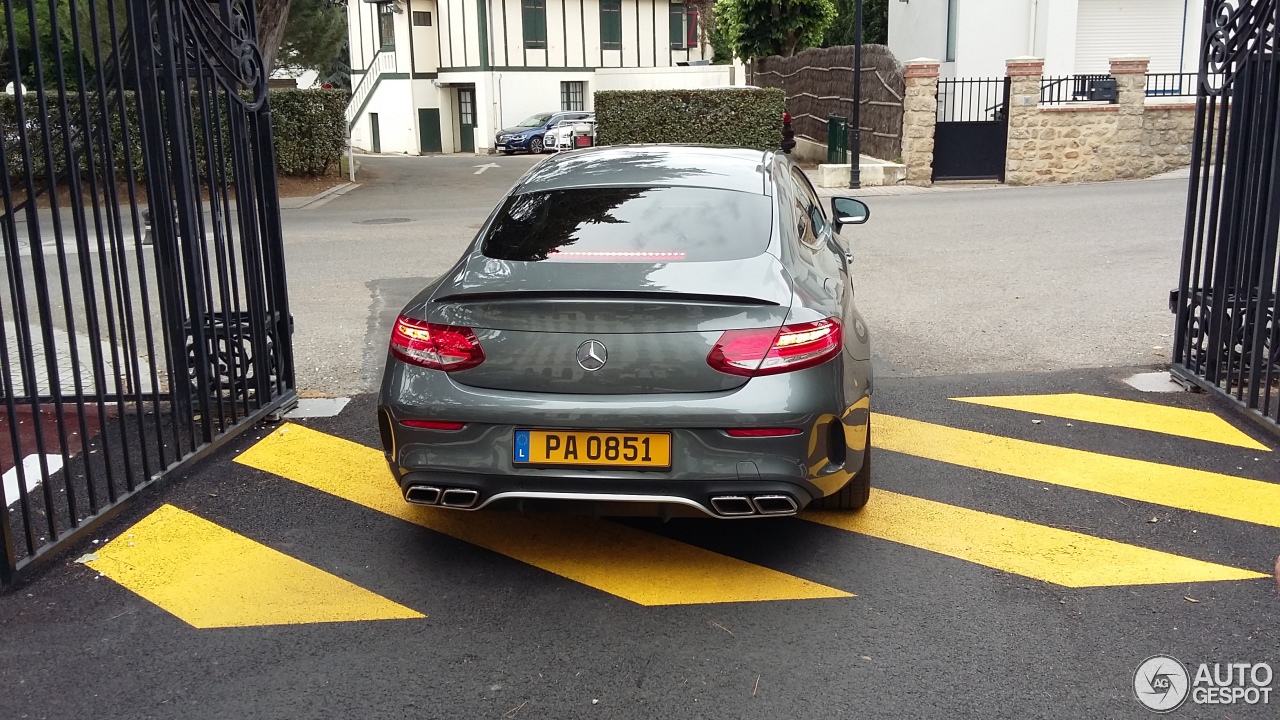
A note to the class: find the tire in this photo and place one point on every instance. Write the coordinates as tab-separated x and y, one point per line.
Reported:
855	493
535	146
508	152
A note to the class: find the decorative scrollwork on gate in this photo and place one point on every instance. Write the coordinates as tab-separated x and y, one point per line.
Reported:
221	39
1232	30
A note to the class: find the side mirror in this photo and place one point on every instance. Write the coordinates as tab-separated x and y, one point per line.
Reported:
848	211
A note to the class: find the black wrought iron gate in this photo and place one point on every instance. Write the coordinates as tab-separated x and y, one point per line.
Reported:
971	130
131	347
1225	304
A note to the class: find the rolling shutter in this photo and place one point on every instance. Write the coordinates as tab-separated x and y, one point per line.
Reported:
1109	28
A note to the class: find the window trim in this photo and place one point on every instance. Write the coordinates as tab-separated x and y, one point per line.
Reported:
535	34
613	8
386	41
950	53
676	25
567	88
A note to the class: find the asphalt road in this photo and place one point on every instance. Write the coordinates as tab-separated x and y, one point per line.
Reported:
1019	558
515	626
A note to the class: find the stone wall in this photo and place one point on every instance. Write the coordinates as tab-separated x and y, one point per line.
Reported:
920	111
1087	142
1169	131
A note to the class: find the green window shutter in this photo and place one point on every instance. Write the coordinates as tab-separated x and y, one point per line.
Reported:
534	19
677	26
611	24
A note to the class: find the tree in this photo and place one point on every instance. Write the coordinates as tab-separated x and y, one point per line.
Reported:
74	37
875	23
315	36
760	28
273	16
337	72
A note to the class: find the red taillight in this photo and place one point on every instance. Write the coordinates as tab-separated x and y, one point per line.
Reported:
439	347
432	424
751	353
763	432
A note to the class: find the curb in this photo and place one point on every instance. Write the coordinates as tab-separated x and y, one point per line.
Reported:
324	197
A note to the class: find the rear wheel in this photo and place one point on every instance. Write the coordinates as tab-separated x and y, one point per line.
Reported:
856	492
535	146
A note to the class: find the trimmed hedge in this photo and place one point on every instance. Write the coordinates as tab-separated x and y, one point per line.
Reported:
737	117
309	128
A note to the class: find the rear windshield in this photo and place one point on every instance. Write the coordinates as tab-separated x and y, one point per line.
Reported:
667	224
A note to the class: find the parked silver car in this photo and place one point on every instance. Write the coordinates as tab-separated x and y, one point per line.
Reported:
564	135
662	330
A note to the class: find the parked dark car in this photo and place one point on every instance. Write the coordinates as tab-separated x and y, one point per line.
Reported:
654	330
528	135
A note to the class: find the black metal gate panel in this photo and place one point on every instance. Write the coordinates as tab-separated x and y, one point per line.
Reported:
144	318
971	130
1226	302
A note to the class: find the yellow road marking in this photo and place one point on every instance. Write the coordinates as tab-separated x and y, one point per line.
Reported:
1045	553
211	577
1194	424
638	566
1197	490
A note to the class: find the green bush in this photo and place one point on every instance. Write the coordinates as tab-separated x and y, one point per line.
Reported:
741	118
309	128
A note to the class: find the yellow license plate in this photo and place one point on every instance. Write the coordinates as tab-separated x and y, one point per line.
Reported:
609	449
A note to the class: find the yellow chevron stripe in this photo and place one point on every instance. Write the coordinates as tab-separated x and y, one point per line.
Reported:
638	566
1056	556
211	577
1194	424
1196	490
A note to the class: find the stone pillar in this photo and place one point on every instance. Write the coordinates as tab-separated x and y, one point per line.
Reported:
1132	156
919	114
1025	75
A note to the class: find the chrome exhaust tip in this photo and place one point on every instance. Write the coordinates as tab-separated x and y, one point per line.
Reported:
422	495
732	505
459	498
774	504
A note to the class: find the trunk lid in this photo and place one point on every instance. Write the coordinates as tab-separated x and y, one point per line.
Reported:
606	328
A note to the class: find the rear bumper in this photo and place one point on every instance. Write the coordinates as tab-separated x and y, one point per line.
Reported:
706	462
604	496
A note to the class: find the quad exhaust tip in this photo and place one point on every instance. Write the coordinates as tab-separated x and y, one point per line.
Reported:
774	504
422	495
732	505
459	498
448	497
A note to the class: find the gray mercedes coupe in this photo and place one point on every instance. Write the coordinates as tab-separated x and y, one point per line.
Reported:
640	330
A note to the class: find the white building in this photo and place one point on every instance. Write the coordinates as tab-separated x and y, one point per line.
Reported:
445	75
973	38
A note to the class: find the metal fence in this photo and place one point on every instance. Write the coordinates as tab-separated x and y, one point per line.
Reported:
1070	88
125	356
837	139
1228	320
1172	84
971	99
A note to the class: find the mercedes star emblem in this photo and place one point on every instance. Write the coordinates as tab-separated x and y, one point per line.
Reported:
592	355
